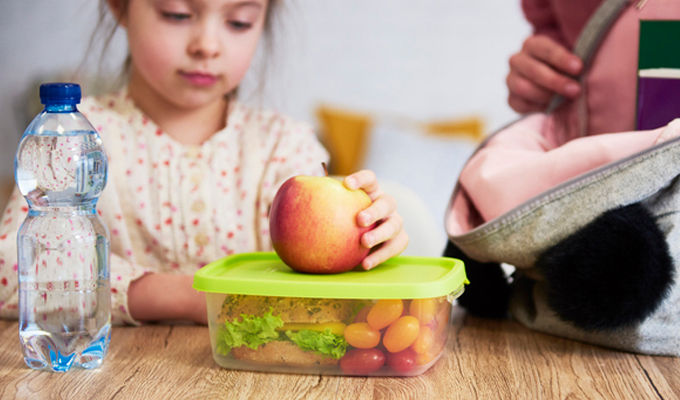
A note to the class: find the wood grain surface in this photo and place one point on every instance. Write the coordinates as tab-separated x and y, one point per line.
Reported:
484	359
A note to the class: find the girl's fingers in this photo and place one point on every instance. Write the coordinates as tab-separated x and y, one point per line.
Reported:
543	75
381	207
389	235
554	54
522	106
386	230
366	180
523	88
386	251
548	65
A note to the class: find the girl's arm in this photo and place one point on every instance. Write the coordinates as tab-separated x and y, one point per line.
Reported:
541	16
389	234
158	297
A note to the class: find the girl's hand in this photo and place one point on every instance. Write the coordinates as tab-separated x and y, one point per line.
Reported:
389	232
542	68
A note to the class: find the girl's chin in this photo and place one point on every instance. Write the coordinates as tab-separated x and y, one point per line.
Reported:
194	100
180	96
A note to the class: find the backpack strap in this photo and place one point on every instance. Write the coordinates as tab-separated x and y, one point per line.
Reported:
591	36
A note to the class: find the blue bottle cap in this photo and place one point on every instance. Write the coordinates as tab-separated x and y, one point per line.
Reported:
60	93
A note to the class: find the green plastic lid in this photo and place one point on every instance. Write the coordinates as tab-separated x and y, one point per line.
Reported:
264	274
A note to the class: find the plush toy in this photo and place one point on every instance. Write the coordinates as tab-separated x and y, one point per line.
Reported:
612	273
595	256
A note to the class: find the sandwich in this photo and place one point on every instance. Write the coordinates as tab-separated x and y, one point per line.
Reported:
283	330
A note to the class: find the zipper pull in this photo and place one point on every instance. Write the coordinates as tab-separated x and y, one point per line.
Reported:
640	4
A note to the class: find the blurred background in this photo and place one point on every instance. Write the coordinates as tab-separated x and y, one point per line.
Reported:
405	88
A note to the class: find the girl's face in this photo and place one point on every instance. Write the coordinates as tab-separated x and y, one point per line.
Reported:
190	53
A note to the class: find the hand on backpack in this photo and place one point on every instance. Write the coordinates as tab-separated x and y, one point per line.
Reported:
541	69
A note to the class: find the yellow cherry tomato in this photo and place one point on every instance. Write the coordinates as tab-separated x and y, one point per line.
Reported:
361	336
424	341
384	312
423	309
401	334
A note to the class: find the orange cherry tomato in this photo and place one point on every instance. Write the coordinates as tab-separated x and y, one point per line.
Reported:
361	336
434	351
401	334
423	309
442	318
424	358
384	312
424	341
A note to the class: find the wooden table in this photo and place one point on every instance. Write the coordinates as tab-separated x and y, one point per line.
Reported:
483	360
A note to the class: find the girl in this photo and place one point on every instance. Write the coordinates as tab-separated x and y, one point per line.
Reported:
192	170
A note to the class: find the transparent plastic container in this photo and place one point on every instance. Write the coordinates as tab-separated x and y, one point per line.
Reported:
63	245
390	321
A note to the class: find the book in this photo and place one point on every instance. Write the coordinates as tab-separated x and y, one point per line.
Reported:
658	95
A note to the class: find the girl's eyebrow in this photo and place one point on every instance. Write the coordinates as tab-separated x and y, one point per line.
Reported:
230	4
247	3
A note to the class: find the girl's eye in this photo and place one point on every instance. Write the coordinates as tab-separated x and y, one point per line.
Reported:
239	25
177	17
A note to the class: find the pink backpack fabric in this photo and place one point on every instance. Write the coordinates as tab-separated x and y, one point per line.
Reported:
539	152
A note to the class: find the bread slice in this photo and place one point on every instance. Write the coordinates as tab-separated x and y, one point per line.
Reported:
290	309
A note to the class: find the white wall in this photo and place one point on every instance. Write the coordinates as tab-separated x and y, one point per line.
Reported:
423	59
39	41
420	59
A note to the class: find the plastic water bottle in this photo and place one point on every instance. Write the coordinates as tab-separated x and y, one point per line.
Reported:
63	245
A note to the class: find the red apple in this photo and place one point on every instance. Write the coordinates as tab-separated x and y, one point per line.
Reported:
313	225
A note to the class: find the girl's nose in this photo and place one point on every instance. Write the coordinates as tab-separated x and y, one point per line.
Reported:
205	43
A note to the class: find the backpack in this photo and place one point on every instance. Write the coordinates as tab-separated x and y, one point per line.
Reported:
594	257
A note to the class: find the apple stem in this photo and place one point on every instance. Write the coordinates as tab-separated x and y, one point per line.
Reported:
325	168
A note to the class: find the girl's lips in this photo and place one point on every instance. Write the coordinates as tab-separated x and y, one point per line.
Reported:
199	79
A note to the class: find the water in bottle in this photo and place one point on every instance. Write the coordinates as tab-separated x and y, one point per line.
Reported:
63	245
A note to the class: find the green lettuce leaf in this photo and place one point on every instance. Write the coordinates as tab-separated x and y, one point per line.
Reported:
325	343
251	332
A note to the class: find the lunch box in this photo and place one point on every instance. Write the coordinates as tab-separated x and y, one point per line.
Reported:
390	321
